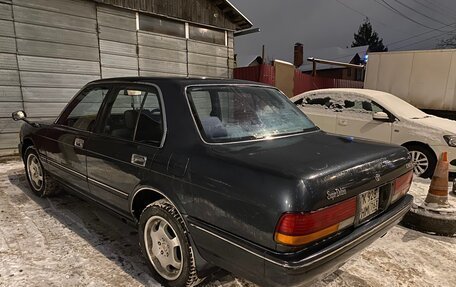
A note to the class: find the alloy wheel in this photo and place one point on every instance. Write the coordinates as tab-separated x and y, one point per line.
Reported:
163	247
34	171
420	162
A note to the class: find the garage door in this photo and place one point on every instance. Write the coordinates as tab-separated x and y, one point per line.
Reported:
10	92
56	57
117	42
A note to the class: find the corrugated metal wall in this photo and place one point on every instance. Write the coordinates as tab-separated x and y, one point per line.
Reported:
206	59
161	55
49	49
117	33
10	92
57	52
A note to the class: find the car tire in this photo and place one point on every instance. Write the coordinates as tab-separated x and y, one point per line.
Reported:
421	155
165	245
41	183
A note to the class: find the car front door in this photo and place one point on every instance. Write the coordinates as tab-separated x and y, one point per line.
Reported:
356	119
65	141
127	138
321	110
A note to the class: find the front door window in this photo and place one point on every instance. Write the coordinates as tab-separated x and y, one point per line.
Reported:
82	113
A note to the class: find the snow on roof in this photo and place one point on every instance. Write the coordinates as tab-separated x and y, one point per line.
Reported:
338	54
394	104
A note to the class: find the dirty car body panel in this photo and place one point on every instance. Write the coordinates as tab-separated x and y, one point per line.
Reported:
231	195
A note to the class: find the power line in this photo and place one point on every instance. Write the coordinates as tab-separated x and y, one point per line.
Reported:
360	13
417	42
446	8
389	7
421	34
427	6
418	12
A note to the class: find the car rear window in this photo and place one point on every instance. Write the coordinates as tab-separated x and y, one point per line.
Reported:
229	113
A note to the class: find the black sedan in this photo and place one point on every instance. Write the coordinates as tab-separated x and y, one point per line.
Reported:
220	174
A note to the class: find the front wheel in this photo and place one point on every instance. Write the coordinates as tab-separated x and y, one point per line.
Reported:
41	183
164	243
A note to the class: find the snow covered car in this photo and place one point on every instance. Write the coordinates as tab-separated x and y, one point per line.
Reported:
220	174
383	117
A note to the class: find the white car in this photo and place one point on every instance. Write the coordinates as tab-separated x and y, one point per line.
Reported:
380	116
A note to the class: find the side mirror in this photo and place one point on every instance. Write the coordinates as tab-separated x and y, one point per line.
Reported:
381	116
19	115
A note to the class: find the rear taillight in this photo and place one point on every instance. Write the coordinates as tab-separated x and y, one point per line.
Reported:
301	228
401	186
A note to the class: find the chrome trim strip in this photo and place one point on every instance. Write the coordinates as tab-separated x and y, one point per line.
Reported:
52	162
76	173
243	141
312	258
105	186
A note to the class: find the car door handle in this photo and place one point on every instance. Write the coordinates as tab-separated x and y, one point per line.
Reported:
78	142
343	122
138	159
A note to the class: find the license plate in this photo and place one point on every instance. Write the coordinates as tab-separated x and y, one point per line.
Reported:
368	203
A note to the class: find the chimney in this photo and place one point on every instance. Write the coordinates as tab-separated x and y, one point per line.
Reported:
298	55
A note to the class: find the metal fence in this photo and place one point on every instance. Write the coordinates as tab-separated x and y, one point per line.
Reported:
302	82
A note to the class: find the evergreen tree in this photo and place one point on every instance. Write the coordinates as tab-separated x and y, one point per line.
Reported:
367	36
449	43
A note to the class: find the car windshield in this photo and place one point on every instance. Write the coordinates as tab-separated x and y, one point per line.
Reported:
236	113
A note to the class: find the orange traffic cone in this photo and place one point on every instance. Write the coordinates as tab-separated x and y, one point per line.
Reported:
438	191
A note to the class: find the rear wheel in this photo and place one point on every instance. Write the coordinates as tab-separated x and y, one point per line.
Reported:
164	243
41	183
423	159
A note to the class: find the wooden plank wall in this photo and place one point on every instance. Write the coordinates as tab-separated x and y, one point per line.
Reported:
197	11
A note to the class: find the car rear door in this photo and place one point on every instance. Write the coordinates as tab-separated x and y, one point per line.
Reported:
65	141
356	119
127	138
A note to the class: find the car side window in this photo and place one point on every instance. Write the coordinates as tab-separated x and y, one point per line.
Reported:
362	106
150	128
83	112
326	101
135	114
320	100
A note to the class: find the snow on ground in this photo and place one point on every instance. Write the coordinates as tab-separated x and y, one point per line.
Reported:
64	241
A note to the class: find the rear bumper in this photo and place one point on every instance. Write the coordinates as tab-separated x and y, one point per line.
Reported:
319	264
277	269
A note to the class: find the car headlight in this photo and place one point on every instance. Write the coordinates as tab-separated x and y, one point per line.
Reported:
451	140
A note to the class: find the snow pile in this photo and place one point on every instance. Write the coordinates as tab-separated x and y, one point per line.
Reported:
64	241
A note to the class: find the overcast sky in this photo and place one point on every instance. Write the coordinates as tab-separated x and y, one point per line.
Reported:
328	23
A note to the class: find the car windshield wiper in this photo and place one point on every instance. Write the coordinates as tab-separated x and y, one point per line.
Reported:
295	132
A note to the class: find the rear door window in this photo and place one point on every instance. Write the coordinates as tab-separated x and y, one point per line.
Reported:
135	113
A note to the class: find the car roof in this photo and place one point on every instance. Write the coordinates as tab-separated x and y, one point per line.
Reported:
181	81
369	94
